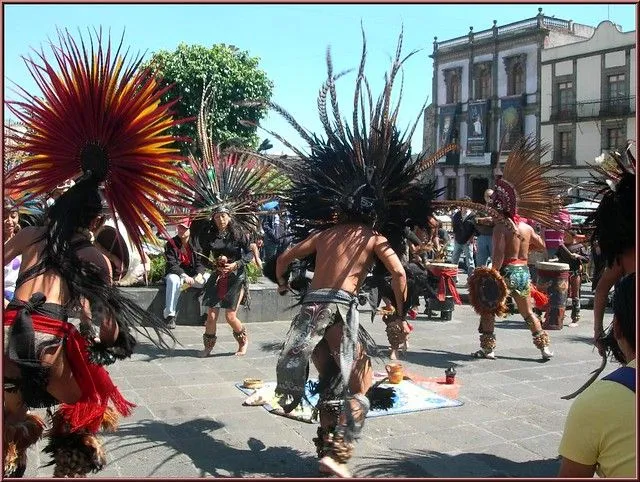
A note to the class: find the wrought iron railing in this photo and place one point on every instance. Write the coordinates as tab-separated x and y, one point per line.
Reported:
563	112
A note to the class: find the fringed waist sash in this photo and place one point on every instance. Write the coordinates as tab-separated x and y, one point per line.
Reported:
94	381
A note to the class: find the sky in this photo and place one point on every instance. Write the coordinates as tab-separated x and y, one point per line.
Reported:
290	41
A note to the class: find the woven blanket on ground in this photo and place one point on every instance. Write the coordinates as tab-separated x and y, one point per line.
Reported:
411	396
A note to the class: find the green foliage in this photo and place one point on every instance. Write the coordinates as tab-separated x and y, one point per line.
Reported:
235	76
253	272
158	264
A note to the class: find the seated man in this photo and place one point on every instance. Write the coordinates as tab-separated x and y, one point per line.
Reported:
184	266
600	431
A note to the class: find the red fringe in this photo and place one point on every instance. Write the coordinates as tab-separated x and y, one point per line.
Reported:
540	299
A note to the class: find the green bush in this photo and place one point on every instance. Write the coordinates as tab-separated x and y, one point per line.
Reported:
158	265
253	272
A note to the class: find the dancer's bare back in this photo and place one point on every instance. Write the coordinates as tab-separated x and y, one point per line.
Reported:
507	245
344	255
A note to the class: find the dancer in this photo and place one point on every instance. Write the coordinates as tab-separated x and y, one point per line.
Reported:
351	197
573	254
107	142
614	226
224	191
522	191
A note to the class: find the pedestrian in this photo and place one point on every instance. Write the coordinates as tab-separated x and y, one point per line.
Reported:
464	229
484	227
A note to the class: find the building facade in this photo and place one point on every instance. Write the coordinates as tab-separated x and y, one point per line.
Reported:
588	100
486	94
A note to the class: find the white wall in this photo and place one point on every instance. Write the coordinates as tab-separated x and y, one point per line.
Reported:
588	79
588	141
564	68
532	68
546	137
614	59
606	36
546	86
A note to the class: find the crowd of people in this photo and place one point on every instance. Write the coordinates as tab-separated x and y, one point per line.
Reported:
356	205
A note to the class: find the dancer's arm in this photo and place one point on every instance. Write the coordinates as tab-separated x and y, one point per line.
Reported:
605	283
391	262
497	247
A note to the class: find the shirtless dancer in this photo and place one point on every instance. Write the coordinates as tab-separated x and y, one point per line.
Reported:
350	199
344	255
509	256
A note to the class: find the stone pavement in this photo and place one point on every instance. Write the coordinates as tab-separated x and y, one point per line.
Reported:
190	421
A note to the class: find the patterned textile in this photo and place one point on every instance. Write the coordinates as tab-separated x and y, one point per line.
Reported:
517	278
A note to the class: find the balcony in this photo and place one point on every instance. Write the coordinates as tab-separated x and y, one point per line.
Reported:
620	106
563	157
563	113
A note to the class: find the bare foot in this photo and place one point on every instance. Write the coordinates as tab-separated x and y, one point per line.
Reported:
204	353
330	466
394	354
242	349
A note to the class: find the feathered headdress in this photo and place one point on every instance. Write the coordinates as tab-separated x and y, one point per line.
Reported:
614	220
99	116
231	181
31	211
524	189
362	171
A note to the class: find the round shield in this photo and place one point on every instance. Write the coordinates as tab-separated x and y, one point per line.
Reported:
488	292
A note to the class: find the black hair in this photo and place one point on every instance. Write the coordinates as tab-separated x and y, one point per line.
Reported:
614	220
624	309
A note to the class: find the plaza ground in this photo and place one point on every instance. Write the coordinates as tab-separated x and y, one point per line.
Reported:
190	421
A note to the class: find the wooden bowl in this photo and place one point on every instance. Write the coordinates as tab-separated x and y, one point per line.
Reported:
254	383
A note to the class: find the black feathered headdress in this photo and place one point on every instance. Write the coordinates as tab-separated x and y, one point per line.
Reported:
614	220
361	171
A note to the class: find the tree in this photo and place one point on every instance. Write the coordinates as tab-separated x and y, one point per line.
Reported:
235	76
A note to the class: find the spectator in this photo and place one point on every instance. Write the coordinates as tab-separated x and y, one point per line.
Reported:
10	228
552	237
184	266
600	431
484	226
464	228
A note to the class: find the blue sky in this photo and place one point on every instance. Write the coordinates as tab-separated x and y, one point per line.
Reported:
290	40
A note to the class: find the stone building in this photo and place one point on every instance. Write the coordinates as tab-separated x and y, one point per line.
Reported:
487	93
588	101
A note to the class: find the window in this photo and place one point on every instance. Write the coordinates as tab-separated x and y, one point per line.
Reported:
482	80
564	105
564	149
515	68
516	81
452	188
453	79
614	138
617	103
615	86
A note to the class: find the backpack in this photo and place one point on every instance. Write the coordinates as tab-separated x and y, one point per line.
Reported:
625	376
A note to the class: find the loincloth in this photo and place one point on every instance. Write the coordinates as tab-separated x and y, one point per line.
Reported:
517	278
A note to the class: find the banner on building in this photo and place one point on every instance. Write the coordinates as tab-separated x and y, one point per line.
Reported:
512	121
477	127
448	131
